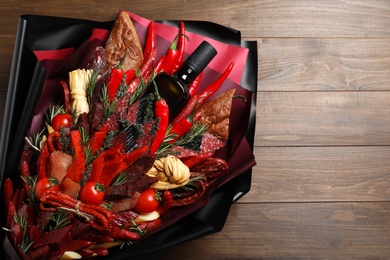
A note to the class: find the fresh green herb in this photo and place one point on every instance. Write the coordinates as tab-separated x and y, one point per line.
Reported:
64	140
122	90
52	111
26	243
108	139
35	140
140	89
120	180
196	130
190	186
108	106
91	86
86	174
107	205
89	157
30	181
59	220
84	136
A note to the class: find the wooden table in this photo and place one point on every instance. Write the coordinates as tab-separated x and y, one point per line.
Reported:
321	187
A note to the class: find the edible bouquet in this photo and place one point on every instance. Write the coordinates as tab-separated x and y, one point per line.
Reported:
134	129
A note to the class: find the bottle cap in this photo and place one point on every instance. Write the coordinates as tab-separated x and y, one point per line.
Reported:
201	57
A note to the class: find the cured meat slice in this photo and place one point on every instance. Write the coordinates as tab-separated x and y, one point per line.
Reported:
215	114
122	43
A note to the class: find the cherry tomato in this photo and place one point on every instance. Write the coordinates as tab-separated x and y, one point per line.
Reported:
59	120
45	184
147	202
92	192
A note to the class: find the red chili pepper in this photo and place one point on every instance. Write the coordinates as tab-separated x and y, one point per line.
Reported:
161	112
193	88
42	161
170	57
149	225
201	97
97	168
96	141
183	126
166	203
150	40
159	64
130	75
123	234
113	166
115	79
215	85
145	72
147	65
76	169
180	50
193	161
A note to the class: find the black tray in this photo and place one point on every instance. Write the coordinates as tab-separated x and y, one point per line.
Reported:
25	83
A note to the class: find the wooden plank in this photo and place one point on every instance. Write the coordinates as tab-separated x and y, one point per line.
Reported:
273	18
310	64
323	118
3	96
320	174
6	52
295	231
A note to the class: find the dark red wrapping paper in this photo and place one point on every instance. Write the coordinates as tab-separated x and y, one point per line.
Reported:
47	48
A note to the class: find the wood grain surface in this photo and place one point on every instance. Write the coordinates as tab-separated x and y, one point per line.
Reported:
321	186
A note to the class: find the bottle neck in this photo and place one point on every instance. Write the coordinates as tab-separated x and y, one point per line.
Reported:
186	74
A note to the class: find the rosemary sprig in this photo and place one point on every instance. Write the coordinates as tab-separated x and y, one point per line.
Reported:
59	220
52	111
91	86
84	136
64	140
35	140
108	106
196	130
140	89
108	140
120	180
30	181
190	186
89	156
26	243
